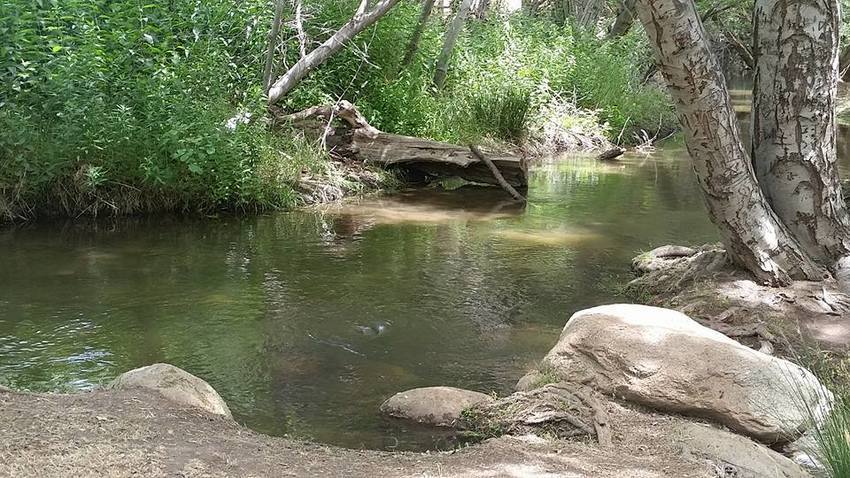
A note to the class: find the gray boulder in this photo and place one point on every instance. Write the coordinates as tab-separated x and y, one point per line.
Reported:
176	385
730	455
663	359
437	406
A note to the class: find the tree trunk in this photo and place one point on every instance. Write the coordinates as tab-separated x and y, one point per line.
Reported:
299	29
625	19
305	65
442	68
754	237
427	8
793	121
844	63
272	45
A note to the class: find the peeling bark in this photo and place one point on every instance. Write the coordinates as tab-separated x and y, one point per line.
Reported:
793	121
754	236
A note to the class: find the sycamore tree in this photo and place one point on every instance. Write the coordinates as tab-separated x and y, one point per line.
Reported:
776	202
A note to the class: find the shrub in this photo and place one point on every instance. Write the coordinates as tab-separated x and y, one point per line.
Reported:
505	113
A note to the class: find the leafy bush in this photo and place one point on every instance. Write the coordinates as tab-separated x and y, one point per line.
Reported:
120	106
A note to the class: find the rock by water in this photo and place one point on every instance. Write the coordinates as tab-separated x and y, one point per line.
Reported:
663	359
174	384
437	406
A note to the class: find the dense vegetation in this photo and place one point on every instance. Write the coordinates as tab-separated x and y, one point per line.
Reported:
121	107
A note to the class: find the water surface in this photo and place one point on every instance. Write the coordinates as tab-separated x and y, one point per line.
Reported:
305	321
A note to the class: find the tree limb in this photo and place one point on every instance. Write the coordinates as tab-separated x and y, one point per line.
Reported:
306	64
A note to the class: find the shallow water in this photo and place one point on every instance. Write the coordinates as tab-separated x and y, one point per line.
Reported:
305	321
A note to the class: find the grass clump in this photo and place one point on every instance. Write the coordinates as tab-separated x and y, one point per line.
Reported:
504	113
831	433
479	426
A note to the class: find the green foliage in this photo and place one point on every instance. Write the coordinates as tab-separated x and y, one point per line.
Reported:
122	107
479	426
832	437
509	68
505	113
545	377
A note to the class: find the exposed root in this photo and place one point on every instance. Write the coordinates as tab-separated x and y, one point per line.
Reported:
560	410
704	284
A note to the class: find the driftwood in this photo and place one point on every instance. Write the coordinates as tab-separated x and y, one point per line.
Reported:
611	154
345	133
496	174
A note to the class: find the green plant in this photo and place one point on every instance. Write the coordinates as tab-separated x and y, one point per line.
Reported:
831	433
505	112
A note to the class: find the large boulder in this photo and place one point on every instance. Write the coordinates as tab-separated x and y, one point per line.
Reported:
662	359
437	406
174	384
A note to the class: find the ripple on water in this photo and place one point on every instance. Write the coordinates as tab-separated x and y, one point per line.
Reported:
306	321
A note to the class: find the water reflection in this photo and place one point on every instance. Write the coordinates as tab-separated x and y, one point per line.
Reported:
306	321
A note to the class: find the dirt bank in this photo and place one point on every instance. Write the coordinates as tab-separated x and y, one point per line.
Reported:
138	433
703	283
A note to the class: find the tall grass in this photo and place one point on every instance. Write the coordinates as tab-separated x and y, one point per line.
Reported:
831	433
504	113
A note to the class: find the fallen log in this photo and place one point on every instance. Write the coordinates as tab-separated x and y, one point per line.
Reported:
344	131
611	154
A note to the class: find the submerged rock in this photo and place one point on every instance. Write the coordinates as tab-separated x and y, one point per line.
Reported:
438	406
662	359
174	384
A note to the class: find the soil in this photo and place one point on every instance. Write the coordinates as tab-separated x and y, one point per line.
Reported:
138	433
704	284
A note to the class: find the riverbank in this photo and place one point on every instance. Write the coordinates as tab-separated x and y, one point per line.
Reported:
137	432
132	433
597	406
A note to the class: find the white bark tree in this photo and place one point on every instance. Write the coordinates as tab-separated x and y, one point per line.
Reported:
442	66
299	29
359	22
274	35
755	238
794	128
